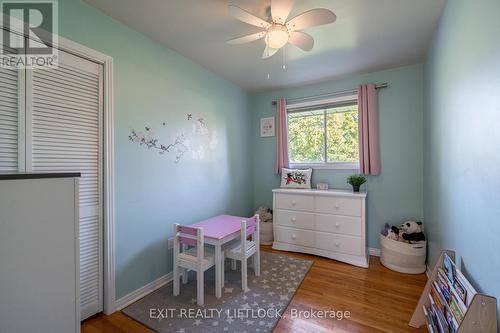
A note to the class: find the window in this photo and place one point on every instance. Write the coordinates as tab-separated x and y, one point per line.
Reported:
324	136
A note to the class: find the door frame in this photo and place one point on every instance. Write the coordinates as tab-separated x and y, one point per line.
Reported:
67	45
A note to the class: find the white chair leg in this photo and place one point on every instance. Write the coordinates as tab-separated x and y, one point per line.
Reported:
200	293
244	275
185	276
256	262
233	264
222	273
176	280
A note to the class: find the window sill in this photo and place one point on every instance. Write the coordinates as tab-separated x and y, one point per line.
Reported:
326	166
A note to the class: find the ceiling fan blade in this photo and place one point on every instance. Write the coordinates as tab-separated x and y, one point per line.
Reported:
301	40
311	18
244	16
280	9
247	38
269	52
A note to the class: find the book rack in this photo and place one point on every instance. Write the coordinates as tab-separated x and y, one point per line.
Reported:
480	310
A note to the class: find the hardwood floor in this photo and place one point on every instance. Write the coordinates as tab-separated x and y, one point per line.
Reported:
377	299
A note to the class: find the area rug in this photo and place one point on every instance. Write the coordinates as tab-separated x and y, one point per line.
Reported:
257	310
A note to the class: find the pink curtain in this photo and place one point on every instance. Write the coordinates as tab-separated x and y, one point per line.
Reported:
281	137
369	155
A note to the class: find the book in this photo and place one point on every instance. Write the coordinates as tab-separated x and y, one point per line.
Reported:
452	323
443	283
437	297
442	324
449	268
430	322
460	289
438	317
455	309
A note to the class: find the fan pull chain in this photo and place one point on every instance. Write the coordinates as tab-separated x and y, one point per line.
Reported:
284	58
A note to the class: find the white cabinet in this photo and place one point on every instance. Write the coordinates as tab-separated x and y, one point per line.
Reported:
325	223
39	253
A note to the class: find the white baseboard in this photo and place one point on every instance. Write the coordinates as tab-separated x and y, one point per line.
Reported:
374	252
428	272
143	291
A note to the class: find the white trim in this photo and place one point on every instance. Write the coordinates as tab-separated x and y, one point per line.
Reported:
143	291
332	100
428	272
109	191
327	166
108	174
374	251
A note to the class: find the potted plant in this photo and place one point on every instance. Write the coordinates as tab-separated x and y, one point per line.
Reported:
356	181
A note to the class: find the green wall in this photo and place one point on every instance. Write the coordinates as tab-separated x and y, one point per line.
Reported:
394	195
152	85
461	141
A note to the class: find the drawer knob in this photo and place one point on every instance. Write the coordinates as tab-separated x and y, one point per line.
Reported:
337	225
294	219
337	206
294	203
294	236
337	244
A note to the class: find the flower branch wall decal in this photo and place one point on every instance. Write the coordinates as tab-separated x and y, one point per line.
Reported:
198	141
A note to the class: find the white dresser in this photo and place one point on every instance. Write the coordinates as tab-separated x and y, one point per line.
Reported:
325	223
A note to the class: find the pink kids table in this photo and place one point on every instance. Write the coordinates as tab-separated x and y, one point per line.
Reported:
218	231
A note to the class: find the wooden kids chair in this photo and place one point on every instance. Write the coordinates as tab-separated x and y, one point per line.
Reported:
243	249
198	258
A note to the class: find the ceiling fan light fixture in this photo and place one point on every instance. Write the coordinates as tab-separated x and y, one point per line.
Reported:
277	36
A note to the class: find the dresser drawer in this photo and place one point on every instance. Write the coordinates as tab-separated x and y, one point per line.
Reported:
346	225
295	236
295	219
341	206
339	243
295	202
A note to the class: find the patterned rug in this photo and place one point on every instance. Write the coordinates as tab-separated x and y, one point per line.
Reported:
257	310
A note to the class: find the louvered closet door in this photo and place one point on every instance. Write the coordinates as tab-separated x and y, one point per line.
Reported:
11	102
64	107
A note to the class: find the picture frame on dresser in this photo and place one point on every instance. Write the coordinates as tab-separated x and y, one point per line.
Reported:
327	223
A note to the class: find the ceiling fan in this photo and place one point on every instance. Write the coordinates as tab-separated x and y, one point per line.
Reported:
277	30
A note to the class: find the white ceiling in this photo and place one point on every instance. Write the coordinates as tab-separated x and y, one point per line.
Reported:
368	35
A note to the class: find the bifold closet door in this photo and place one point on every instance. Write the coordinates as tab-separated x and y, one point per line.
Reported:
64	128
11	103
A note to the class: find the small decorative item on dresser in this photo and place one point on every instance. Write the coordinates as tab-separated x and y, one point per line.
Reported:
296	178
322	186
356	181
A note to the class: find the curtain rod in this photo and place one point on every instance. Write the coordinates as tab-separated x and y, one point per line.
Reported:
378	86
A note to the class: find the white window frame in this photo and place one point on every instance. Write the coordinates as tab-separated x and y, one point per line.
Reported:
330	102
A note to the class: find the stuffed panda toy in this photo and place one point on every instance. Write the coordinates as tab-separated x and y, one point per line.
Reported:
265	214
411	231
395	233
